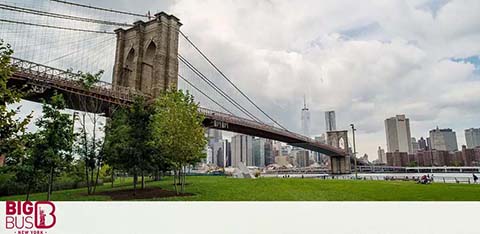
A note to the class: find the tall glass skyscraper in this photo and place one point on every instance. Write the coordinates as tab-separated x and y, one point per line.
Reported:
305	119
330	124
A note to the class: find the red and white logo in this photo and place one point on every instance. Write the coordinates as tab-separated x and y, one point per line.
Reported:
29	217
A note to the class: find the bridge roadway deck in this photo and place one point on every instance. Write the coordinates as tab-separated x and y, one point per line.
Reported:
42	81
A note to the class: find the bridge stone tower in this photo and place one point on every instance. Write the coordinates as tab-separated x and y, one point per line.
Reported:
339	139
146	55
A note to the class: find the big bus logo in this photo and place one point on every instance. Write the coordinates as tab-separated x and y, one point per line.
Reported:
30	215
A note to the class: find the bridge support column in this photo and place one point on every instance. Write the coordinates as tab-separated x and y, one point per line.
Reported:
146	55
340	165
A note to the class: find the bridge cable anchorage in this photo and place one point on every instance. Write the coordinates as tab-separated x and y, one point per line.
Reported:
60	16
217	89
101	8
204	94
55	27
229	81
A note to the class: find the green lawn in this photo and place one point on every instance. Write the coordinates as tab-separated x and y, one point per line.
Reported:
216	188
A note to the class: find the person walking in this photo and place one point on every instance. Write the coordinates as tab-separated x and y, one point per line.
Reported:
475	178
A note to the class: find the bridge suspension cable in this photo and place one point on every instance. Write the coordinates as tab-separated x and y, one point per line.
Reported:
54	27
207	96
229	81
102	9
217	89
60	16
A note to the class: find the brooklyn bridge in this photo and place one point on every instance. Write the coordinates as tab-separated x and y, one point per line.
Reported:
147	62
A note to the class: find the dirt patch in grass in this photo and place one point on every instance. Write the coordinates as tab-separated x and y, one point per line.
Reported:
148	193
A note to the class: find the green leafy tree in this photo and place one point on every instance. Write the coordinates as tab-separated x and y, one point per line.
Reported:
117	142
127	141
12	128
29	170
178	132
54	138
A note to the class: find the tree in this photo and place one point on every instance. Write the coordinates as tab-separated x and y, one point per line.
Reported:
89	79
178	132
89	147
117	142
54	138
12	128
127	140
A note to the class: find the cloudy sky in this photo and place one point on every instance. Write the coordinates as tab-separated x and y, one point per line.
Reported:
367	60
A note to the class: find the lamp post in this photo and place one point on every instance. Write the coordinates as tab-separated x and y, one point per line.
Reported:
354	150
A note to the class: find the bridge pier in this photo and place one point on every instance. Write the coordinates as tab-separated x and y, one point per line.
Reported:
340	165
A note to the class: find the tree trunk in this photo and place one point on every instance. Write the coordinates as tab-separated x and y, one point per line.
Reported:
184	177
30	182
91	178
28	191
157	175
143	179
86	154
175	180
113	171
86	177
96	179
135	178
50	184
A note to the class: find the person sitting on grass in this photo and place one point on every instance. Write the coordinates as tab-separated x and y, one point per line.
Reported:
424	180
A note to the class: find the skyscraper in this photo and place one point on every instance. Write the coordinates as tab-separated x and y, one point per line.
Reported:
472	136
221	153
422	144
415	145
330	124
259	152
397	130
305	119
269	158
241	150
302	158
382	157
443	139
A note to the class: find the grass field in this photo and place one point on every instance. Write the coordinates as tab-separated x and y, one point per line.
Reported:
216	188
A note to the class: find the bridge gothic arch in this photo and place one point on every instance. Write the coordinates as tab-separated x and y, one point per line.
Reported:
339	139
149	59
155	63
128	70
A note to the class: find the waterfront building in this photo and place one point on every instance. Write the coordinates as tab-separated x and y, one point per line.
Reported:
268	151
397	131
415	145
382	157
241	150
472	136
397	159
303	158
443	139
422	144
258	152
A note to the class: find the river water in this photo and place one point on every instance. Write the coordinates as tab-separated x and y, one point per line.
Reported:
437	177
